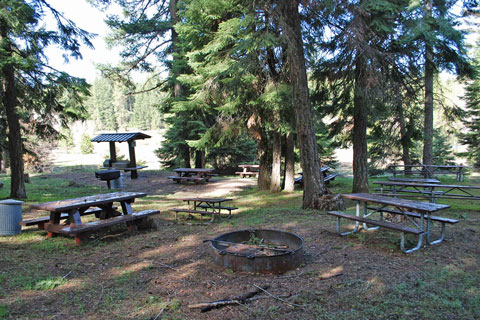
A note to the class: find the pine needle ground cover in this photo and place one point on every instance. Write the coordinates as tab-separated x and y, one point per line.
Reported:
156	273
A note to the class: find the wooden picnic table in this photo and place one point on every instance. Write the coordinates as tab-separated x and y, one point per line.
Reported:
210	206
197	175
415	213
76	207
324	172
414	180
248	170
430	191
428	171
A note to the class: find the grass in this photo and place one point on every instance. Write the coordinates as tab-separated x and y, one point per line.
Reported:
157	273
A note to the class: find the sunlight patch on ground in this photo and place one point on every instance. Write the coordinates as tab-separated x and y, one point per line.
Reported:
331	273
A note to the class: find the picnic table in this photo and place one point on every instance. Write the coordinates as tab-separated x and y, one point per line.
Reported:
248	170
414	212
428	171
197	175
210	206
106	212
414	180
324	172
430	191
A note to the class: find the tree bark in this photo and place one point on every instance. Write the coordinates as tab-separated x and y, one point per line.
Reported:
275	182
404	138
428	112
360	120
265	157
200	159
289	181
314	188
15	147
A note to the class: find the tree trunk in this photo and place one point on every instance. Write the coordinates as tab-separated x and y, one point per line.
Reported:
15	147
314	188
428	112
275	182
404	138
200	159
360	119
265	157
289	163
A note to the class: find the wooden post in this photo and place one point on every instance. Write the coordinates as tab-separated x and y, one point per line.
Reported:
113	154
133	161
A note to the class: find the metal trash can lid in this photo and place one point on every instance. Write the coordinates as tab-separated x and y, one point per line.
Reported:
11	202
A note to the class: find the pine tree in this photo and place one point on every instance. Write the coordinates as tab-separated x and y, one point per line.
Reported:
27	82
433	30
471	134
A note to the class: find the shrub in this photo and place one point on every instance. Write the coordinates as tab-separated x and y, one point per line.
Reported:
86	146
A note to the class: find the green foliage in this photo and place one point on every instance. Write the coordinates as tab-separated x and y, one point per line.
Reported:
3	311
234	152
66	140
86	145
470	136
442	150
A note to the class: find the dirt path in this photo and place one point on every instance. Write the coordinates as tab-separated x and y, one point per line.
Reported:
156	183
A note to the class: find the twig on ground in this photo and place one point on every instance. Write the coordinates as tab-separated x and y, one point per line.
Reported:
166	266
63	278
159	314
240	300
277	298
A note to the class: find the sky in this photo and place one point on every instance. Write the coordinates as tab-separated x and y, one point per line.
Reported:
92	20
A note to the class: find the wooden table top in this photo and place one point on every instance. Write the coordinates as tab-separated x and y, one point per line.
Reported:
426	185
68	204
249	166
439	166
425	207
414	180
195	170
198	199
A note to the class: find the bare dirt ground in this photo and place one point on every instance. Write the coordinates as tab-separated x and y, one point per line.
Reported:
157	183
156	274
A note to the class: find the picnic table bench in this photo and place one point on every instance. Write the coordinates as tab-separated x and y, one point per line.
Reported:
324	171
197	175
428	171
415	213
430	191
210	206
40	221
248	170
77	207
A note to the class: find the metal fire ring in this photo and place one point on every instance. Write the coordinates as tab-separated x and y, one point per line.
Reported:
280	261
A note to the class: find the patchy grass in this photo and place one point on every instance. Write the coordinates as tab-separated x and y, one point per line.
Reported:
157	273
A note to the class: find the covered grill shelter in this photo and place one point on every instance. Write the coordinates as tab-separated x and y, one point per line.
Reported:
128	137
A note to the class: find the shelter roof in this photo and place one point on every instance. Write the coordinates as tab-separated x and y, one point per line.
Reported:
120	137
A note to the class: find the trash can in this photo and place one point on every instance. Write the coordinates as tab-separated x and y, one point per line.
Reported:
118	183
10	217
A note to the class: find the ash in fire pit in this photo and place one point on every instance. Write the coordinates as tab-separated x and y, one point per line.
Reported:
262	251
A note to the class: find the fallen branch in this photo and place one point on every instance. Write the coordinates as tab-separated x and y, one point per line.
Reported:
166	266
276	297
65	276
207	306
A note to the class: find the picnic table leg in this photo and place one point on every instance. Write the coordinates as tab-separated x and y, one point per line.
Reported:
429	230
54	219
74	217
420	236
126	207
357	224
365	214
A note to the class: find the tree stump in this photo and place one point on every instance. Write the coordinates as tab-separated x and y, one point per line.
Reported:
329	202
